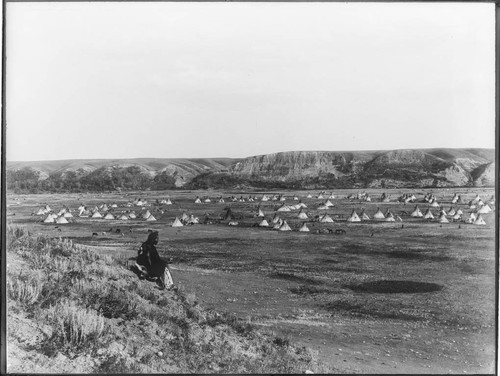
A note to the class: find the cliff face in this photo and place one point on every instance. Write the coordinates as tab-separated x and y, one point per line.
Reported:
294	165
395	168
484	175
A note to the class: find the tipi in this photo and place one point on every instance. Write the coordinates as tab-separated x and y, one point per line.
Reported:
326	219
379	214
354	217
177	223
285	227
479	220
304	228
264	223
302	215
416	213
61	220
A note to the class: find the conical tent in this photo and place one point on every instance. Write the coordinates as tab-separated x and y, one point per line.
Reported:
109	216
233	223
284	208
364	216
428	214
435	204
451	212
68	215
276	218
457	216
169	202
123	217
132	215
146	215
479	220
221	200
285	227
177	223
197	201
260	213
328	203
265	198
309	196
442	218
295	198
151	218
379	215
354	217
96	215
207	200
485	209
49	219
304	228
416	213
263	223
302	215
61	220
326	219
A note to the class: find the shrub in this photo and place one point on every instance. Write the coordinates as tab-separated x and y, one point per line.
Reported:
74	325
24	291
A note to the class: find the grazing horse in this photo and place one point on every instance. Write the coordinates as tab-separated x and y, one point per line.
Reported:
340	231
149	265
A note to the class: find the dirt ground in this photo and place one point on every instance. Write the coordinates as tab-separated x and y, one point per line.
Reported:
401	297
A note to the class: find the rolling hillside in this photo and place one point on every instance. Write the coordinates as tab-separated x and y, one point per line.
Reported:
294	169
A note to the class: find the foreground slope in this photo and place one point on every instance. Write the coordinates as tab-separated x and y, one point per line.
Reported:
71	310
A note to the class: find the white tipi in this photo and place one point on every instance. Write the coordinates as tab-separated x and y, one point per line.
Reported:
379	214
304	228
177	223
354	217
285	227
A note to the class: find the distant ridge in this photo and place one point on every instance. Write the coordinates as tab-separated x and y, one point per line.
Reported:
295	169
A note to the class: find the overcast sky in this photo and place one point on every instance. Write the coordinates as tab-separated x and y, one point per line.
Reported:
127	80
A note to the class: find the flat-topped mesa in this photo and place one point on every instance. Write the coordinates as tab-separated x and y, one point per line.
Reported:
295	164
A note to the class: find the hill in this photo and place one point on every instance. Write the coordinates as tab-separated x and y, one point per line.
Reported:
360	169
72	310
293	169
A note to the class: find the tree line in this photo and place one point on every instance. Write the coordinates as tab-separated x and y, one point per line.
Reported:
27	180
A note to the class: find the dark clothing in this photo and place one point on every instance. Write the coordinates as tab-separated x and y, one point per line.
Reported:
149	258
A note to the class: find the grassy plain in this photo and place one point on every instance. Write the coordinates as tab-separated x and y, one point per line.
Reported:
386	297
